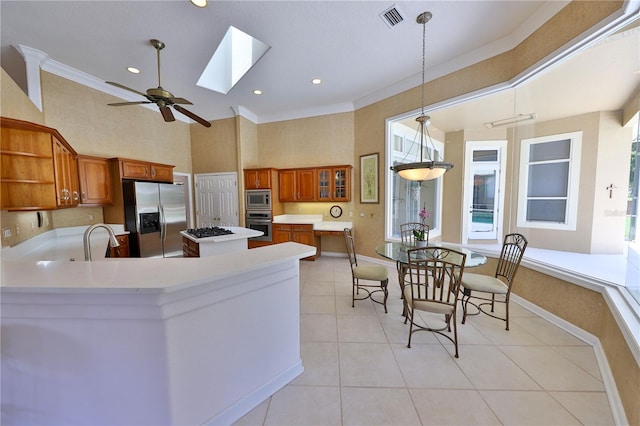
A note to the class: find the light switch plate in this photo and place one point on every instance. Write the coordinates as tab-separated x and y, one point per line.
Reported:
6	232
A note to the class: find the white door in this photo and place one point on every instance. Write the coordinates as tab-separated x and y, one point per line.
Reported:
484	198
216	199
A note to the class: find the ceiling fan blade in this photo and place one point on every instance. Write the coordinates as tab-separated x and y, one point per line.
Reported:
180	101
167	114
192	116
126	88
130	103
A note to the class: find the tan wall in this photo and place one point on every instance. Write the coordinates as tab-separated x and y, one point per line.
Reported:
14	103
213	149
92	127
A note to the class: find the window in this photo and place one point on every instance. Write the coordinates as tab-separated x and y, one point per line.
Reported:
405	198
549	175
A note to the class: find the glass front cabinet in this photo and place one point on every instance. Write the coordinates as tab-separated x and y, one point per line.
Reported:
334	183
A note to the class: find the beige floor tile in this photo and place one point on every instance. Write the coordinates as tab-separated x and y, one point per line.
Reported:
318	328
305	405
547	332
591	408
582	356
361	307
360	328
320	362
551	370
398	332
494	330
256	416
528	408
368	364
429	366
452	407
318	288
488	368
377	406
468	334
317	305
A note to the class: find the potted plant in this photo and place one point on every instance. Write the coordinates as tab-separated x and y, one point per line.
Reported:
420	233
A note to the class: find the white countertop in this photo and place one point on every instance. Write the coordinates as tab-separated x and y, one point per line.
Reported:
150	274
238	234
61	244
313	219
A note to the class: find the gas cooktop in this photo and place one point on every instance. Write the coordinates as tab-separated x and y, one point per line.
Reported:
214	231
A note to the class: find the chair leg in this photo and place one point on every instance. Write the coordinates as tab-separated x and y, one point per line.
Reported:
410	316
466	293
455	333
384	285
507	312
353	293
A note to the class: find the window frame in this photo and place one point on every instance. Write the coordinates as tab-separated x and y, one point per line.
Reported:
573	181
393	155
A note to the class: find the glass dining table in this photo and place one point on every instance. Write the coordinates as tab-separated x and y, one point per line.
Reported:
398	252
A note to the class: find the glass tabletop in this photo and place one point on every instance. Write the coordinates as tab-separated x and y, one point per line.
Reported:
398	252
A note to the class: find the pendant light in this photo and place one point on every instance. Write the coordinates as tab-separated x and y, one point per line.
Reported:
430	168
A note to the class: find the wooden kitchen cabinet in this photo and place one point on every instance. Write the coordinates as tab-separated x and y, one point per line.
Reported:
66	173
190	248
299	233
142	170
122	250
95	181
38	167
297	185
333	183
258	178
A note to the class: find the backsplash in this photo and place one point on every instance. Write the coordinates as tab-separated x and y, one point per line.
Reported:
24	225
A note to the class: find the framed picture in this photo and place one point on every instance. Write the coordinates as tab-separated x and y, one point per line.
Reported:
369	178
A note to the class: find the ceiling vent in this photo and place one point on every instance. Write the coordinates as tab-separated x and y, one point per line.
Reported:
392	16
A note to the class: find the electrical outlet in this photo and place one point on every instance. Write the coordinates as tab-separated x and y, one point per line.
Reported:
361	214
6	232
350	214
17	229
90	217
33	226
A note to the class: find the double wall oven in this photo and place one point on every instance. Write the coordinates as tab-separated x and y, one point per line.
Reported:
259	214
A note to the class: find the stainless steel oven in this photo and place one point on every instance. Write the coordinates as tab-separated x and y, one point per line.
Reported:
260	220
258	199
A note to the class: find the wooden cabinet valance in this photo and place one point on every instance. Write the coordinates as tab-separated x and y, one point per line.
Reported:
143	170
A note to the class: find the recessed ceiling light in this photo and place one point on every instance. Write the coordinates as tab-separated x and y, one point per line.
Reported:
133	70
199	3
316	81
257	92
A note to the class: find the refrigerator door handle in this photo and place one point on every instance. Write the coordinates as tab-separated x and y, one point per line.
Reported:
163	223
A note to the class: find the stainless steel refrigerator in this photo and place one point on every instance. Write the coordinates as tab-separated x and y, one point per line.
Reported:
155	213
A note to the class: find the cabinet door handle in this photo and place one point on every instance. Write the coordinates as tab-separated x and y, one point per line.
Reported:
84	196
76	196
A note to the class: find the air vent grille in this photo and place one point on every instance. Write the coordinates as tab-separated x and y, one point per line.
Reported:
392	16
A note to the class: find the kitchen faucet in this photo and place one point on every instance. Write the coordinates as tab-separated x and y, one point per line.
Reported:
113	241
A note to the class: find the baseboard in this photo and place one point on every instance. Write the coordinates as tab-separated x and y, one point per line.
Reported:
255	398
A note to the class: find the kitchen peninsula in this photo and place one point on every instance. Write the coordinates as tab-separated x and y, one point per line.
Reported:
149	341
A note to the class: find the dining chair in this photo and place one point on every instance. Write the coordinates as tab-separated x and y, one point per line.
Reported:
365	273
435	274
486	288
407	235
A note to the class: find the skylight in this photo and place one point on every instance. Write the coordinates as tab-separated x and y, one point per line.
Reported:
233	58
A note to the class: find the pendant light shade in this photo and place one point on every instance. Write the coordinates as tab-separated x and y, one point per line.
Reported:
430	168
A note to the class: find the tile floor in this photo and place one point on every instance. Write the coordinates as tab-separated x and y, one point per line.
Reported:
359	371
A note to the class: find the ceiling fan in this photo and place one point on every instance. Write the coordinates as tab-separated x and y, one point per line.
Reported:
161	97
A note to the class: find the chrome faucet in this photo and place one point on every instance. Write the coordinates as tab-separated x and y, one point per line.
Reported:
113	241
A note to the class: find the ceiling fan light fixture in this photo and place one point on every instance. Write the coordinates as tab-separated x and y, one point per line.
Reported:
133	70
431	168
199	3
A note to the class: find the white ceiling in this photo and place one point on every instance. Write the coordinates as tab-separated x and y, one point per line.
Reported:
345	43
